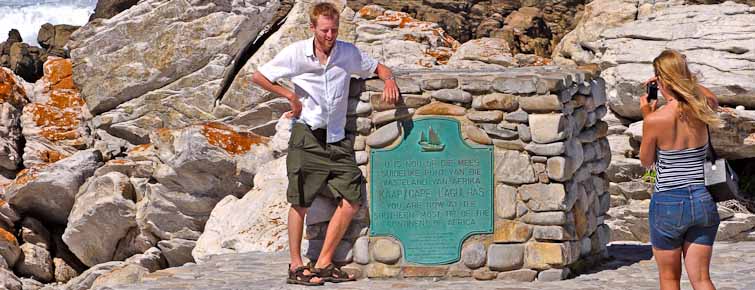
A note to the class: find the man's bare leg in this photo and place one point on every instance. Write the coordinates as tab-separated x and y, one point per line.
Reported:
336	229
295	228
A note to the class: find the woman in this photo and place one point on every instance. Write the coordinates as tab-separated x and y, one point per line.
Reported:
683	216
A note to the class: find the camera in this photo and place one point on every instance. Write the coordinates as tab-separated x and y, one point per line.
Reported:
652	91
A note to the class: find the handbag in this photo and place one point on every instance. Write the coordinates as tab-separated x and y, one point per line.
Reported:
720	180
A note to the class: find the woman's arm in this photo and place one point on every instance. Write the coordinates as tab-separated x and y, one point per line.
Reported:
649	141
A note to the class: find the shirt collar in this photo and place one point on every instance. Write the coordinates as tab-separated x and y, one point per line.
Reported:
310	48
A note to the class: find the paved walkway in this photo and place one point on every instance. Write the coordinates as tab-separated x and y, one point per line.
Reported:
631	267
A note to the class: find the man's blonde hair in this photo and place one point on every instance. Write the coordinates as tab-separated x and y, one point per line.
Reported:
322	9
672	70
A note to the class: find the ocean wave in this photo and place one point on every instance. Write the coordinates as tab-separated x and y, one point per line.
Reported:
28	16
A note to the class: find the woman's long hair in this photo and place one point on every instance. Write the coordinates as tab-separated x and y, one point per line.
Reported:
672	70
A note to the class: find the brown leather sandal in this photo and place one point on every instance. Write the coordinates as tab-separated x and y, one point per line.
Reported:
332	274
298	277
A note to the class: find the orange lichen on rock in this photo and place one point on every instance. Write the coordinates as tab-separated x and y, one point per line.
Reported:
51	156
233	142
26	175
10	91
58	73
139	148
65	99
8	237
56	124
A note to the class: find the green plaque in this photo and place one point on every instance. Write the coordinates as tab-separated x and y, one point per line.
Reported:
432	191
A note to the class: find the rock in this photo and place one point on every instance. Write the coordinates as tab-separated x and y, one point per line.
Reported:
33	232
553	233
405	101
24	60
110	8
547	128
516	85
496	101
548	218
8	216
550	149
542	256
86	279
53	38
9	248
473	255
439	108
152	260
483	274
627	68
36	263
553	275
635	131
380	118
9	281
362	251
105	85
121	275
508	231
623	146
475	134
637	190
505	201
452	96
101	217
624	169
31	284
544	197
402	42
541	104
12	101
502	133
526	32
485	116
55	123
238	225
513	167
521	275
63	272
48	192
518	116
386	251
505	257
487	50
177	251
384	136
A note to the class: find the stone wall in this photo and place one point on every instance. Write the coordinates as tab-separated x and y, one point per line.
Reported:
550	152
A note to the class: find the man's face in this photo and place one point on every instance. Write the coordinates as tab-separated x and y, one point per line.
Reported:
325	30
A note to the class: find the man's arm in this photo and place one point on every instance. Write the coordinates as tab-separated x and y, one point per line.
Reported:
275	88
390	89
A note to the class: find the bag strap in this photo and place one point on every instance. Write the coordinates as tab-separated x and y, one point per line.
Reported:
712	155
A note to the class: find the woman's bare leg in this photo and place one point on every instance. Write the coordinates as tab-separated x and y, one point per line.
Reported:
697	263
669	267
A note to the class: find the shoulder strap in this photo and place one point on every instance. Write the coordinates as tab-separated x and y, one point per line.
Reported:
712	156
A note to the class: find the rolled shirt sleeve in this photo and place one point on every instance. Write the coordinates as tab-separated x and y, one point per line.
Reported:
367	65
283	65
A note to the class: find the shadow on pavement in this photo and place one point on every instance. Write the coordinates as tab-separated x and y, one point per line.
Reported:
622	255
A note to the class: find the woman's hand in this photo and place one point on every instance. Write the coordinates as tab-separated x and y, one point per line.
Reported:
645	106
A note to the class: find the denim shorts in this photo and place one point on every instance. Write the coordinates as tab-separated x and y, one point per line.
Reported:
683	214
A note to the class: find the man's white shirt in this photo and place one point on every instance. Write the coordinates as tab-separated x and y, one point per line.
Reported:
322	89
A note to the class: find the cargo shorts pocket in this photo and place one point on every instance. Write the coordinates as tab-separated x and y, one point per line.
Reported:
668	214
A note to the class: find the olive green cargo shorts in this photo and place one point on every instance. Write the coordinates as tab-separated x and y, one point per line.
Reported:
314	165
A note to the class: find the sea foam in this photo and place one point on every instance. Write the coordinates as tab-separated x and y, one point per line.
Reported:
28	16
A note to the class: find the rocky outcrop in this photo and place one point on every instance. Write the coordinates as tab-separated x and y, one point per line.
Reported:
629	35
12	100
110	8
24	60
54	38
55	122
132	54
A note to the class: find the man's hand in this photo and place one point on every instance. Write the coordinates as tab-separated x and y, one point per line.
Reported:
295	106
647	107
390	91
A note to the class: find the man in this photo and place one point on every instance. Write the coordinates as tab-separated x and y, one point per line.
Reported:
319	154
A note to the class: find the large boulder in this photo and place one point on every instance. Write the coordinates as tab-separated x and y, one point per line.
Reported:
178	72
12	101
243	95
47	192
102	215
55	122
256	222
715	38
53	38
110	8
36	262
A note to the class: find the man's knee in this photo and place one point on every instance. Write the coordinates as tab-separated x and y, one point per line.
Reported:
351	207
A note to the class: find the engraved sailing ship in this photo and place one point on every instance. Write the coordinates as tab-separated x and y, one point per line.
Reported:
432	144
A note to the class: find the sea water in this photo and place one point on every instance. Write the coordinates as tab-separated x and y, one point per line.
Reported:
28	15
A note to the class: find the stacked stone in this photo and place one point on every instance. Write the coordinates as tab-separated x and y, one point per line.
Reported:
550	153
